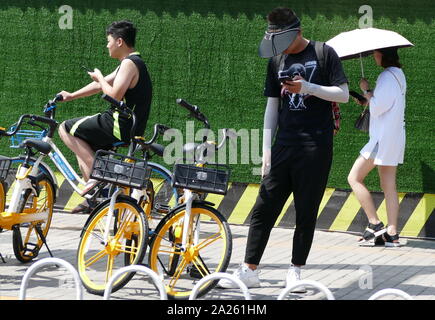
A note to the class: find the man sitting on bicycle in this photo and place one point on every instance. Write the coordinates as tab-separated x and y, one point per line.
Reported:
130	81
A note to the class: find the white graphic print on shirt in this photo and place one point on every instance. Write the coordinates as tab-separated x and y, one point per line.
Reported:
296	101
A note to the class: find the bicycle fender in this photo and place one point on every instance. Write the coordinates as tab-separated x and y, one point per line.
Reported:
47	170
194	201
97	209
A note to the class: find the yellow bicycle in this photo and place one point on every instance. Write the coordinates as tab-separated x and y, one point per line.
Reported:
193	239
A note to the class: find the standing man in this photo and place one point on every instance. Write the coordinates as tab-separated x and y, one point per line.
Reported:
299	96
130	81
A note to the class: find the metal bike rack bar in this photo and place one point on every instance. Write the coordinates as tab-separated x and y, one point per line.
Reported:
310	283
386	292
220	275
136	268
51	261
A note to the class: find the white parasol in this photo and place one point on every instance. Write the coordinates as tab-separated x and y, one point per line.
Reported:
362	42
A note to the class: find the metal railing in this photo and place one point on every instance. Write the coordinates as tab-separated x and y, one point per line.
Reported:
51	261
395	292
161	288
136	268
220	275
310	283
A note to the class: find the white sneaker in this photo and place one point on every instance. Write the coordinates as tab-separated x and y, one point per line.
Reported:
246	275
293	275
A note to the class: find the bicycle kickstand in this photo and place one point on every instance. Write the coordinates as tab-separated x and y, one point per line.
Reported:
41	235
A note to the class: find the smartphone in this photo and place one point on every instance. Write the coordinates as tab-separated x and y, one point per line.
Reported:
356	95
285	79
87	69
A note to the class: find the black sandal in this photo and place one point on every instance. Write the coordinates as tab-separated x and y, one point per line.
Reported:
391	241
371	232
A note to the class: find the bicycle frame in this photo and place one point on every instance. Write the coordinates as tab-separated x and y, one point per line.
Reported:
23	182
12	216
64	167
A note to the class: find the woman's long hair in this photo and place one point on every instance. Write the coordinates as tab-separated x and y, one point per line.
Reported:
390	58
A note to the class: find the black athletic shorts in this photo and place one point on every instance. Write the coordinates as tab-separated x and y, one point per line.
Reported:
98	130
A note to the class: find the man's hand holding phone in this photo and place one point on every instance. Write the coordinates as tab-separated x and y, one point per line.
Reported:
293	85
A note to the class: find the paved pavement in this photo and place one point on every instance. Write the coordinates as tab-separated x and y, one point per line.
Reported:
349	271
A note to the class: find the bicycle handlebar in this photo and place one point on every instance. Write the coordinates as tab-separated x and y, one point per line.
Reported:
114	102
194	111
51	122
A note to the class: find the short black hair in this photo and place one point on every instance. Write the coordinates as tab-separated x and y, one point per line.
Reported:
123	29
390	58
282	16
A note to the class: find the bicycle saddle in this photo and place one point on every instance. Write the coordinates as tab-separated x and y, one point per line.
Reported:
39	145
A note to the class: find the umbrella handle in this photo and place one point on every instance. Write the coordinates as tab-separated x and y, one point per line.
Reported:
362	66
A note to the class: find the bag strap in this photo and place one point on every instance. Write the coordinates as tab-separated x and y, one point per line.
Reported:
278	62
400	85
319	47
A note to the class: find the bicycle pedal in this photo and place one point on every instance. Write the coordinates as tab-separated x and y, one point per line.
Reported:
194	273
30	252
162	208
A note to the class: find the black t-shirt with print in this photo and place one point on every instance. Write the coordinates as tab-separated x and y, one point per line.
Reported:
305	119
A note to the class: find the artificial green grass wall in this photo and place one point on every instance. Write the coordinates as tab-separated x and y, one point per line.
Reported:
206	53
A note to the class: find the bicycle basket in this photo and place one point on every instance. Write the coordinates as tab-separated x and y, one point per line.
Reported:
210	180
22	135
5	164
120	169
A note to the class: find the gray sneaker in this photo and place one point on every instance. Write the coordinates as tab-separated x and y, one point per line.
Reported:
246	275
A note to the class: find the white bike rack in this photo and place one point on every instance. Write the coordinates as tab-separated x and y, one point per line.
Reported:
136	268
51	261
220	275
386	292
310	283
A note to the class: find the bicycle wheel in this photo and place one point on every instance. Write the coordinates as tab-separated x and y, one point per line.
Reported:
2	196
126	244
208	249
26	239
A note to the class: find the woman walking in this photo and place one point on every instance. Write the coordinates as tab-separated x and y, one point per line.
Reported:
385	149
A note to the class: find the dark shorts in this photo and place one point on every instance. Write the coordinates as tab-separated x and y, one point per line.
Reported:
96	130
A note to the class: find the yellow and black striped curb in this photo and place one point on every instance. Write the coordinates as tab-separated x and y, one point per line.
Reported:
339	209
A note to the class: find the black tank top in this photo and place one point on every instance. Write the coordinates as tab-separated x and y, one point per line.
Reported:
138	99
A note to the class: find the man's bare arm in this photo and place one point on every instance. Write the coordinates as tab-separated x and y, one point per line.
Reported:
123	80
89	90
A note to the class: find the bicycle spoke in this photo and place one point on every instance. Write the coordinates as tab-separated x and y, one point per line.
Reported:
178	273
95	258
199	264
124	249
209	241
100	226
168	249
99	237
123	225
109	268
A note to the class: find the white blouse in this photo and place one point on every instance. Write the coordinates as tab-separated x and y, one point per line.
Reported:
387	119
